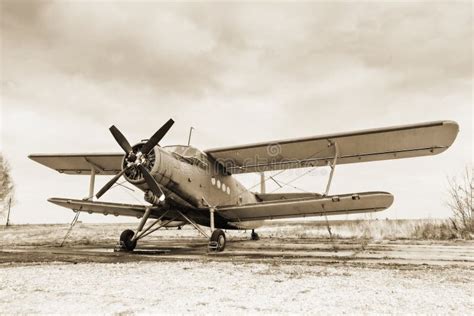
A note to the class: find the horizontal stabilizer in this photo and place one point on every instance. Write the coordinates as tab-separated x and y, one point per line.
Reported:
301	207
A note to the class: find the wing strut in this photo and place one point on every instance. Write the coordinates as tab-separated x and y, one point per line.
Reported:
88	198
332	165
92	181
74	221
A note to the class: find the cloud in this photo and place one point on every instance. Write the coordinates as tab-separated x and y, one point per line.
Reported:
110	42
191	50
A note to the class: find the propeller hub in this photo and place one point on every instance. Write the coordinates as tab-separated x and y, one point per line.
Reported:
136	158
140	159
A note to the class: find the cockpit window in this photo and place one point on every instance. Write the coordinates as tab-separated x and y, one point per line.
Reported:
189	154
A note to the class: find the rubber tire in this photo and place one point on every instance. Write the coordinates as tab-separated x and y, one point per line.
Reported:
126	240
219	237
254	236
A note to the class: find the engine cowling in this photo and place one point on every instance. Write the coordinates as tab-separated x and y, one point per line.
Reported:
134	175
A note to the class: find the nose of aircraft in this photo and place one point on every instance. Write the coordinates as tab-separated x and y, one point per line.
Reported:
136	158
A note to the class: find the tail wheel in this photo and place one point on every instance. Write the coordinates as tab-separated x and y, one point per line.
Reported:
217	241
126	240
254	235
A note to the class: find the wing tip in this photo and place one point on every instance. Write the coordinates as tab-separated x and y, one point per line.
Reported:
32	156
390	199
56	200
452	124
452	131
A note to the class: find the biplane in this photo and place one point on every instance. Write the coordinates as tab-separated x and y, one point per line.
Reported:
184	185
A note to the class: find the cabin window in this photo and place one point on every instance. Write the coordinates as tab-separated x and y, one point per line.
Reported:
228	190
223	187
218	184
189	154
213	181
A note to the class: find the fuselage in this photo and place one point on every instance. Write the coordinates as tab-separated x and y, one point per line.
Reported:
193	182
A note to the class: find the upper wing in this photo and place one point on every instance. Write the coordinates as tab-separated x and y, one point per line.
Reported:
104	164
362	146
330	205
117	209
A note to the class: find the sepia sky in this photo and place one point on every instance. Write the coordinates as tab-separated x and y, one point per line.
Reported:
239	73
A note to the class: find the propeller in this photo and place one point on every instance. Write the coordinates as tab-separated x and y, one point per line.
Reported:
121	140
154	187
155	139
138	159
109	184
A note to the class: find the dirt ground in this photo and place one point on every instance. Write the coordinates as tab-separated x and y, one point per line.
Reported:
283	272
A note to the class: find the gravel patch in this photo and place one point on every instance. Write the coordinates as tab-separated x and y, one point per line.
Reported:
217	287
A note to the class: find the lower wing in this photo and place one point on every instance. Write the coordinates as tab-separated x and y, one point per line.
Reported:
316	206
106	208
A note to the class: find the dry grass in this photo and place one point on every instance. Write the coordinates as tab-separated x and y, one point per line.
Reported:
440	231
363	230
420	229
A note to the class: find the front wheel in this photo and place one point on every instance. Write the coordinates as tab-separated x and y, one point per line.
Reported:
126	240
217	241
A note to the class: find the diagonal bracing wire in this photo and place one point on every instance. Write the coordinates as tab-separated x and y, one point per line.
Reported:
293	180
281	171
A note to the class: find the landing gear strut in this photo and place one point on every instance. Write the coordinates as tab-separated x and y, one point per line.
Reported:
217	239
254	235
128	239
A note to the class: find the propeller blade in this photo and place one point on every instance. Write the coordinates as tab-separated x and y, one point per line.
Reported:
154	187
155	139
109	184
121	140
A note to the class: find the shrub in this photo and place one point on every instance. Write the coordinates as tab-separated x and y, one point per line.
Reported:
460	200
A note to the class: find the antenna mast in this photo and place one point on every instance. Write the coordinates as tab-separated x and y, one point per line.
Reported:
190	133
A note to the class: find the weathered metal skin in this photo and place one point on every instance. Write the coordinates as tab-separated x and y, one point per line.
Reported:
188	187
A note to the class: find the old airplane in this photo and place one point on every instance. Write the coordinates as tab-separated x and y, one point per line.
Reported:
184	185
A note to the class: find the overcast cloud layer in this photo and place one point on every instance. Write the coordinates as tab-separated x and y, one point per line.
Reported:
238	73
